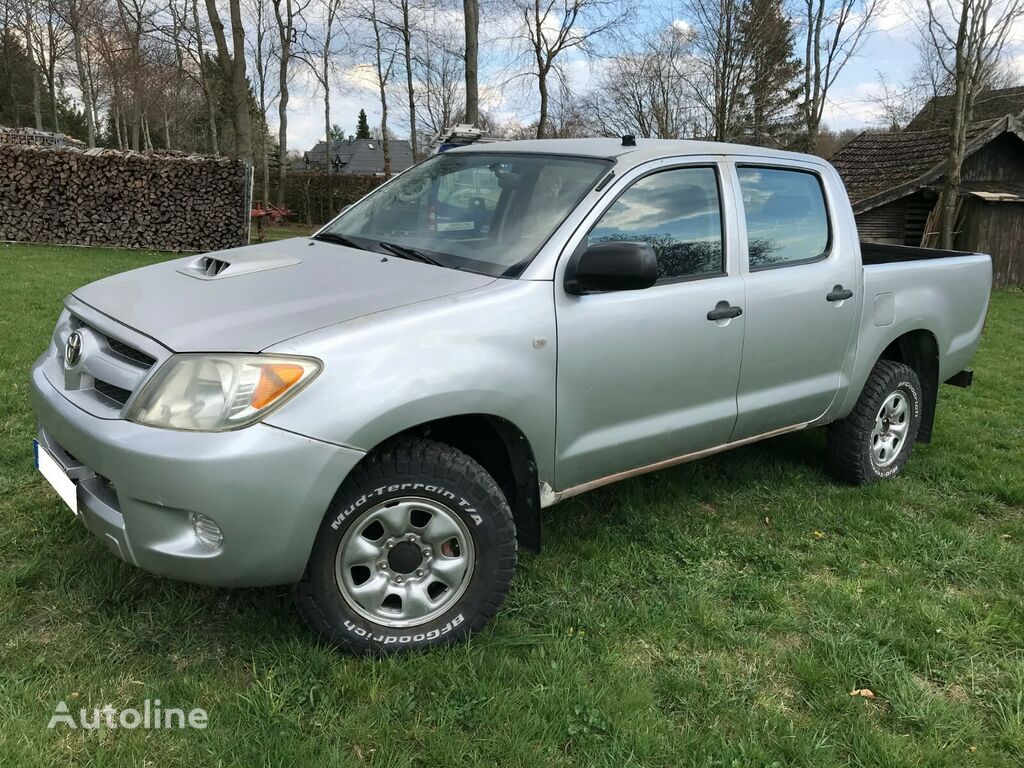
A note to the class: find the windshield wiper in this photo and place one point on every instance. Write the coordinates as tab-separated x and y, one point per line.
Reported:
410	253
334	237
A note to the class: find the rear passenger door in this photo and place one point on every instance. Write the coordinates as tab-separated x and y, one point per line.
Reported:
800	308
646	376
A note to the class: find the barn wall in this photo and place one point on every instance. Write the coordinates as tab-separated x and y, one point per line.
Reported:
901	222
883	224
1002	159
996	229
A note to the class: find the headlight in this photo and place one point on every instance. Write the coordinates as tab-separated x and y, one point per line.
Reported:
213	393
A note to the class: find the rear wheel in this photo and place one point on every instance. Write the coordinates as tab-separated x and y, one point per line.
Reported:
418	549
874	442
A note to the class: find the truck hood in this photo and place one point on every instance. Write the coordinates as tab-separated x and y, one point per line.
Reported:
247	299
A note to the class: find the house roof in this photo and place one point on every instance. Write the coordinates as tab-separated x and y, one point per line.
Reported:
878	168
363	156
988	105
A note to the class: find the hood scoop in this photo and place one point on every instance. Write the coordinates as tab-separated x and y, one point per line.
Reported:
215	268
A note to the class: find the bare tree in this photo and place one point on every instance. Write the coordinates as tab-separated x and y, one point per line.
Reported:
233	69
403	27
384	55
896	105
288	14
28	29
834	32
77	15
131	15
647	92
550	28
439	70
196	48
46	37
262	50
471	18
967	37
723	63
318	54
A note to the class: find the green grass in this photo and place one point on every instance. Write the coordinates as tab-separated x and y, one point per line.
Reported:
717	614
273	232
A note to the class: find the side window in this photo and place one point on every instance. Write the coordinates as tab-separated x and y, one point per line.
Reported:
787	221
678	213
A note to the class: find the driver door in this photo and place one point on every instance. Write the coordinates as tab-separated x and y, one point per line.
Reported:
645	376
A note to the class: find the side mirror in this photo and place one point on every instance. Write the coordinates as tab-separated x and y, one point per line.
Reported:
613	266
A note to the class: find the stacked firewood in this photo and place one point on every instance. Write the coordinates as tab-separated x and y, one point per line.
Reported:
126	199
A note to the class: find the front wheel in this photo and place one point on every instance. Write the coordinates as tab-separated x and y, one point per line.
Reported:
874	442
417	550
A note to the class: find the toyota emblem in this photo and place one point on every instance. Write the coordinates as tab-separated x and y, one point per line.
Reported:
73	350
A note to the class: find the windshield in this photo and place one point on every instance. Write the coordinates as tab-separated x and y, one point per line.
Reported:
483	212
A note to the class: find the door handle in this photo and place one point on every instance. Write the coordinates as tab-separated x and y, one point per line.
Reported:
839	294
723	311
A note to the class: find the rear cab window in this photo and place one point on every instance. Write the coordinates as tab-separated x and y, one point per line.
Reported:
786	216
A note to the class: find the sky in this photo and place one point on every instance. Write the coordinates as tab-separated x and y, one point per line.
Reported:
889	52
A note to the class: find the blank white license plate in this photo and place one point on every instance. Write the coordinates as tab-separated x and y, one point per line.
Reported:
56	476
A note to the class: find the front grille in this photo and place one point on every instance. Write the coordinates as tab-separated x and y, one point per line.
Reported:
109	369
129	352
117	394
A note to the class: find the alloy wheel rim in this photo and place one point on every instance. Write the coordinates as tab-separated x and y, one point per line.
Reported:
891	424
405	561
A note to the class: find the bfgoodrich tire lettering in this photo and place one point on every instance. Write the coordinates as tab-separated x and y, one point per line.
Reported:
875	441
411	472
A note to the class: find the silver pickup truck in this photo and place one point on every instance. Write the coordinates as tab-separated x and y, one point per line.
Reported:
378	413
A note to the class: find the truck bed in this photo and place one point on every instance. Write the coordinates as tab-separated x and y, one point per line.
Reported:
943	292
884	253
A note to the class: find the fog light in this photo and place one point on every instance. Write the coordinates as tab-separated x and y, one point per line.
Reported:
207	531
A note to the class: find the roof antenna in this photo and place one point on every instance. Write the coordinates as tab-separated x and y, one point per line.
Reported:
629	140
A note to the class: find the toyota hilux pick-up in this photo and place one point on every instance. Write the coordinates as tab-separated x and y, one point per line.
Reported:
378	413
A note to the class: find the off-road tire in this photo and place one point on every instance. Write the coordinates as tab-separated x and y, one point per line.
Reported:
850	441
436	472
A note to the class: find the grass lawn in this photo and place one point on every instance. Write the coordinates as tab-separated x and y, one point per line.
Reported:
716	614
273	232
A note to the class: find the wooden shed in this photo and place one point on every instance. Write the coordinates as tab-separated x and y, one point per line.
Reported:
894	180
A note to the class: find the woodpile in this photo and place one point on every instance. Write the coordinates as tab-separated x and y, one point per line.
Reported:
123	199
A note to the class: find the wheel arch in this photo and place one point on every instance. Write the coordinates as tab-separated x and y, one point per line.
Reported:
919	350
502	449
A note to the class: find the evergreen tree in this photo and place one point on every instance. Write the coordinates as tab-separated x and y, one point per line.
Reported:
363	127
772	85
337	133
16	92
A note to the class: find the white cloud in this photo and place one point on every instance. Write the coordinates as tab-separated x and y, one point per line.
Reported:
682	26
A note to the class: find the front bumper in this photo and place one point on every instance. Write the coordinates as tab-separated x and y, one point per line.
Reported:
266	488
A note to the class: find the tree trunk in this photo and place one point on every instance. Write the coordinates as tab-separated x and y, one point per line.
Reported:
233	72
282	130
51	81
243	123
957	134
83	80
284	28
327	135
384	143
471	14
37	106
407	40
542	120
211	107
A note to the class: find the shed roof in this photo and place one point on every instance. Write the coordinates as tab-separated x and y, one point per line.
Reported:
989	105
880	167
